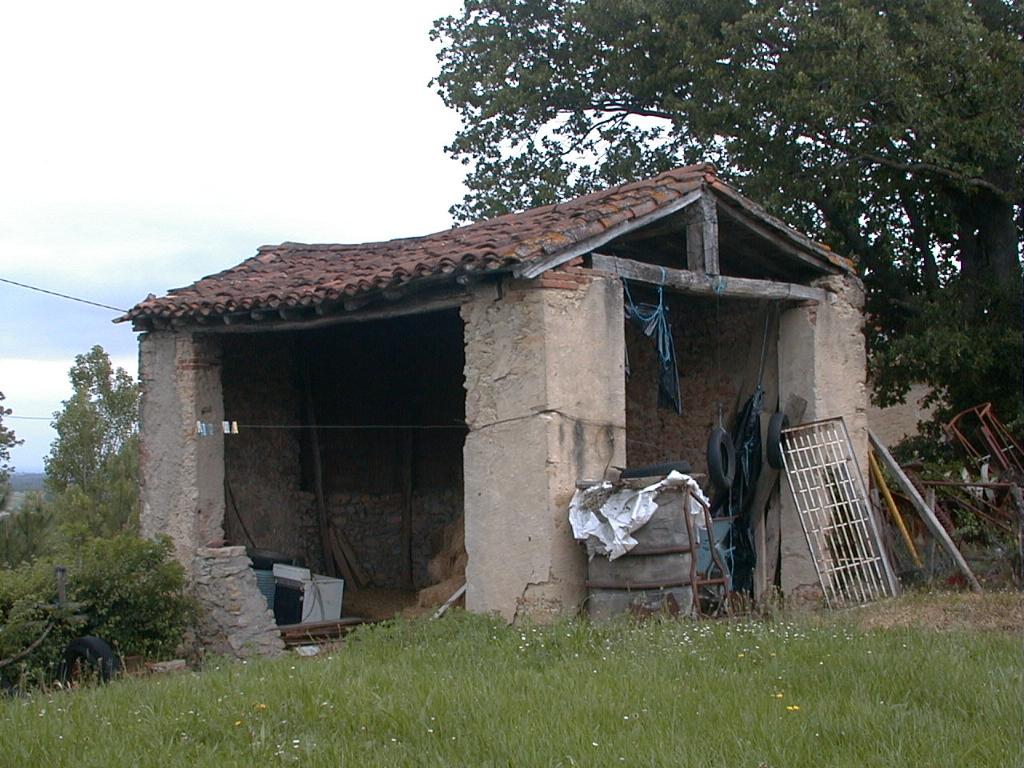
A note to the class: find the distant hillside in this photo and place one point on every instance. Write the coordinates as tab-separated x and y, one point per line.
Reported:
27	481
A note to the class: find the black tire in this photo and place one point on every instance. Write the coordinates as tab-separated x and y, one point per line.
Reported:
773	443
721	459
88	655
657	469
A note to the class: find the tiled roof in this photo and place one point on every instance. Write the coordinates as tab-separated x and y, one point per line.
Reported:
299	275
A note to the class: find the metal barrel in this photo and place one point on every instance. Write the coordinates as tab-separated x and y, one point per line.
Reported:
655	576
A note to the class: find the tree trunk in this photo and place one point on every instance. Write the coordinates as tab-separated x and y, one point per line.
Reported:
989	238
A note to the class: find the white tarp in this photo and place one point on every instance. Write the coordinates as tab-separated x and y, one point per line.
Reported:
605	517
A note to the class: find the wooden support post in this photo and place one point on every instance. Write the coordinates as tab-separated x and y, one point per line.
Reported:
768	481
1018	502
926	512
407	480
702	236
331	565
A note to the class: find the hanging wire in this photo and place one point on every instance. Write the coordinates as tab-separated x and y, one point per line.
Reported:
61	295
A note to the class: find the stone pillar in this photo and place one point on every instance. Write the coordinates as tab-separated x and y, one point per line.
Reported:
182	473
822	359
545	405
234	619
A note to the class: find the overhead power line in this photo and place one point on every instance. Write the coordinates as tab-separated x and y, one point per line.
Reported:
61	295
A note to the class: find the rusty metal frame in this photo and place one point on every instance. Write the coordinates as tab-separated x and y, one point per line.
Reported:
1002	448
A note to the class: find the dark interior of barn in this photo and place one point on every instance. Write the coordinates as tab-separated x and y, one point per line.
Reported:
348	455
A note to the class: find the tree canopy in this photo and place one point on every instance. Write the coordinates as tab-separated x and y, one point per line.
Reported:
92	467
7	441
889	130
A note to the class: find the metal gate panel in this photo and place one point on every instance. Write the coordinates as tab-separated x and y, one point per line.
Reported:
828	488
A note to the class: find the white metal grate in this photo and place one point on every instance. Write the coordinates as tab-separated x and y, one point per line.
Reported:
831	500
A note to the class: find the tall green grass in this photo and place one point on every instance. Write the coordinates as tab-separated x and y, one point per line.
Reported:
467	691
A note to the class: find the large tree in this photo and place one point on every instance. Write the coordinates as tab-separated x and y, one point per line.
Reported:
890	130
92	467
7	441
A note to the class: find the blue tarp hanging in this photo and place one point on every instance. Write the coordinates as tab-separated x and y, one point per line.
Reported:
653	321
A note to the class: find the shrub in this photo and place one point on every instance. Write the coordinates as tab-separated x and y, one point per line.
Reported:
127	590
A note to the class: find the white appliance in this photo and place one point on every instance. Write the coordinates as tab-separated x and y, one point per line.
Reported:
320	595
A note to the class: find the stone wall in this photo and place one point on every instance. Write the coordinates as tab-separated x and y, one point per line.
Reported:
717	353
897	422
234	617
262	462
373	525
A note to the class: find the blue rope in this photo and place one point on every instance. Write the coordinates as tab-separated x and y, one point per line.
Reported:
655	322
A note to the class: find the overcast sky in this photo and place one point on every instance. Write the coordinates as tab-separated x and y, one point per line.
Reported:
144	146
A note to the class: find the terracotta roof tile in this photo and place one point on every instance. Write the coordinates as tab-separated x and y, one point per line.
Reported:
293	274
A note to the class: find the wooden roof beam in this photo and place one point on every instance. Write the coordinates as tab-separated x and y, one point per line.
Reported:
702	284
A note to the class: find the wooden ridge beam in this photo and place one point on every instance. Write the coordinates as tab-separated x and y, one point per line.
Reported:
533	269
687	281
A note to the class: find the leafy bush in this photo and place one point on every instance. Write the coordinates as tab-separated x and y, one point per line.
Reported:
128	591
133	592
28	532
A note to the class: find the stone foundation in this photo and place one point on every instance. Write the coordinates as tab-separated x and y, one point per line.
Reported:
234	617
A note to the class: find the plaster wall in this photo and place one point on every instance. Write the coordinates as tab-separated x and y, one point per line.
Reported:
182	473
822	359
896	422
545	407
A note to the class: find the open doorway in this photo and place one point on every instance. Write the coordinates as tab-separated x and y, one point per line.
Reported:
360	426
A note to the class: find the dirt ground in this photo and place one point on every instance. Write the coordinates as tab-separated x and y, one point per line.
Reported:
945	611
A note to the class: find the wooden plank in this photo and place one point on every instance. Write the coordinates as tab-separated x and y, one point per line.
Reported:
341	562
322	525
586	246
794	409
406	536
687	281
709	239
926	512
360	579
449	602
894	511
1018	502
694	240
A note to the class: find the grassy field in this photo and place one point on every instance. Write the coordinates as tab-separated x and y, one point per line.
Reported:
466	691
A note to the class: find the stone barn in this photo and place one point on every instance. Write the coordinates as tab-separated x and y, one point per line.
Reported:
375	403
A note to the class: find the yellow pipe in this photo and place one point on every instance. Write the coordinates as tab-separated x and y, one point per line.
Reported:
894	511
